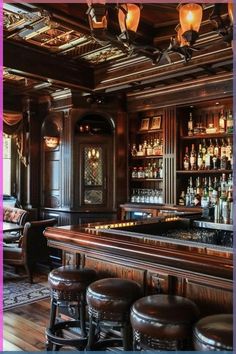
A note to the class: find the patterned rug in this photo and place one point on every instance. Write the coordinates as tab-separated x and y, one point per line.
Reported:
17	291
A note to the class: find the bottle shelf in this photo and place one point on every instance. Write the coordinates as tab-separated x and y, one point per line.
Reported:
203	172
207	136
142	132
146	179
147	157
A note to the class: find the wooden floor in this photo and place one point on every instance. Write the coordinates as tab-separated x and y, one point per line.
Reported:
24	327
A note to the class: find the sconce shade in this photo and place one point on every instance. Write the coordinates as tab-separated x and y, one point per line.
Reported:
231	11
190	17
129	16
51	141
97	15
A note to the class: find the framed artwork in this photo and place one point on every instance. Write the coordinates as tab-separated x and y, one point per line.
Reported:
144	124
156	123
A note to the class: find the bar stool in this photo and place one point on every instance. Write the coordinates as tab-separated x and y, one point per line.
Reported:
109	301
163	322
68	289
214	333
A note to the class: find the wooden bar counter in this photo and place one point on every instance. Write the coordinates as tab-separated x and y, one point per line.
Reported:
140	251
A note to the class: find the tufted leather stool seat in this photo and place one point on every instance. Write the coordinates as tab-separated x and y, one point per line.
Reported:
109	301
214	333
68	289
163	322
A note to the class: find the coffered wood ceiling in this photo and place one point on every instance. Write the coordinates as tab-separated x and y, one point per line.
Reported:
48	47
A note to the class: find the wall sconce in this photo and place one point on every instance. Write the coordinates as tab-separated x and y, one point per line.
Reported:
190	17
51	142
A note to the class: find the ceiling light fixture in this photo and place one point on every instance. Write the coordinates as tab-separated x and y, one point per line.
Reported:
223	25
190	17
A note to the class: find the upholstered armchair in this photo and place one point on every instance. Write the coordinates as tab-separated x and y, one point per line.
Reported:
31	249
16	216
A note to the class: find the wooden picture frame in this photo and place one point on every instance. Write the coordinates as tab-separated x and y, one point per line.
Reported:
156	122
144	124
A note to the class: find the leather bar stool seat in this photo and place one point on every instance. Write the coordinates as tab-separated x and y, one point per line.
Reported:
68	290
214	333
109	301
163	322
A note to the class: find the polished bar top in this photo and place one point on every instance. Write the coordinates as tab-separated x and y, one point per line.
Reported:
217	261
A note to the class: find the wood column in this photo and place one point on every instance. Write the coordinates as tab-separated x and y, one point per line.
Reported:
169	160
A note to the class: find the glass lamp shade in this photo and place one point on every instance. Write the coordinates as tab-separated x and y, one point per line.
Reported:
231	11
129	16
190	16
51	141
97	16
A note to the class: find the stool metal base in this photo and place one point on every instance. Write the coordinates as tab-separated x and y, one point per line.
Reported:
55	340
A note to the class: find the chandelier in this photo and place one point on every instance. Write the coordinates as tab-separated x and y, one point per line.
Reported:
128	18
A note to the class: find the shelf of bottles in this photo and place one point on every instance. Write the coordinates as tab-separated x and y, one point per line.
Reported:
207	161
146	167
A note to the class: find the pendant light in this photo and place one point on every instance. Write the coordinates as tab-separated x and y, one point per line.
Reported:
190	17
129	16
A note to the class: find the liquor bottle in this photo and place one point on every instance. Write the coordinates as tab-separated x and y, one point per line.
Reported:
193	159
209	156
190	124
149	149
223	161
205	197
191	191
187	197
156	148
134	173
161	170
216	156
186	160
155	170
214	196
229	123
144	147
210	190
133	150
230	206
182	199
197	199
199	158
229	148
204	150
222	120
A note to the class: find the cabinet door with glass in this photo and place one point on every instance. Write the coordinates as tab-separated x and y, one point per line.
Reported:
95	170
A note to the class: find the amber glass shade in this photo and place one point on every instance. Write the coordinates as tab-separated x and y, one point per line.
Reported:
190	17
129	16
231	11
51	141
97	15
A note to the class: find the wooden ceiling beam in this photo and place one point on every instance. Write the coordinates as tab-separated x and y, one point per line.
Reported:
41	65
111	79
